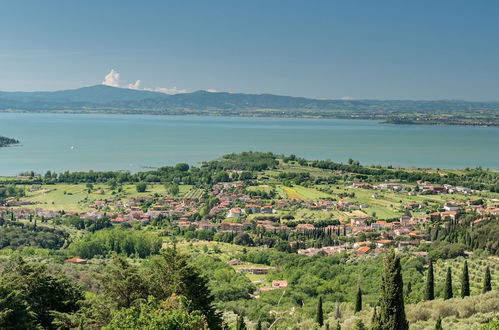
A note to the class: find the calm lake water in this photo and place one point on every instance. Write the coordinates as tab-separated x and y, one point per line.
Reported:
109	142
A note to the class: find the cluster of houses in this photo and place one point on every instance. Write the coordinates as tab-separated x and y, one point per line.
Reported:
422	186
133	209
259	270
234	204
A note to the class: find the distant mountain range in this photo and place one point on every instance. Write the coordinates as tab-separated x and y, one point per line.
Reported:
102	98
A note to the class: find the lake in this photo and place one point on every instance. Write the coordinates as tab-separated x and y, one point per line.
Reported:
72	142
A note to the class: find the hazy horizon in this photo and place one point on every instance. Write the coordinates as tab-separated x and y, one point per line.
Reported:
324	50
255	93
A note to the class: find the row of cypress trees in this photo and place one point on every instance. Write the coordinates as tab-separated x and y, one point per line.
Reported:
389	314
465	282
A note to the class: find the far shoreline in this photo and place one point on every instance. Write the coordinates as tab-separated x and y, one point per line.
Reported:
380	121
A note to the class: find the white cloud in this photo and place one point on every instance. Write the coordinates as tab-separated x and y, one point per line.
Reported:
170	91
135	85
113	79
211	90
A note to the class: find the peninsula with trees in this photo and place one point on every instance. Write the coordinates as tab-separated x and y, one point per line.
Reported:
5	141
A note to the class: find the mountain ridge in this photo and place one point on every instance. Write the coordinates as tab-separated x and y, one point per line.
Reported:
104	97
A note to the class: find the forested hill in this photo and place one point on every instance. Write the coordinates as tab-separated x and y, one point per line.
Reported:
121	100
107	96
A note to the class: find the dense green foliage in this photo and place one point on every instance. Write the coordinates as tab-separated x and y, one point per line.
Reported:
172	274
391	313
141	187
172	314
358	300
438	324
478	236
246	163
240	324
167	275
430	283
487	281
471	178
465	281
448	293
10	191
89	224
20	236
122	241
31	296
168	293
319	318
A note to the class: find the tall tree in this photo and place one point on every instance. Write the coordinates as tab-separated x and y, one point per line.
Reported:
358	300
375	319
465	281
171	273
29	293
430	283
172	313
241	325
320	313
359	325
123	284
15	311
337	311
338	326
391	315
258	325
487	281
448	294
438	324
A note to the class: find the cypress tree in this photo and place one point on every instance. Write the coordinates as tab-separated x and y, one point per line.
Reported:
375	321
438	324
358	300
391	304
448	294
359	325
465	281
430	283
487	282
337	312
173	273
259	325
241	325
320	313
338	325
408	289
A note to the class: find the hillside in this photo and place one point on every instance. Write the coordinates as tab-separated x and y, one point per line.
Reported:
107	99
250	238
99	94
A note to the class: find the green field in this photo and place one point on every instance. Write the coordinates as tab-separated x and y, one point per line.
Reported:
77	198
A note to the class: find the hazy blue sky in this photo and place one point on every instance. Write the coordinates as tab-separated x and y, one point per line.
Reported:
325	49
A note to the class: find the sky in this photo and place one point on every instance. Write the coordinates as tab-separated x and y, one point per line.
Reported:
425	49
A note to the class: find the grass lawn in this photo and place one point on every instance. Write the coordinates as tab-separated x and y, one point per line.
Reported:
262	187
303	193
75	197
